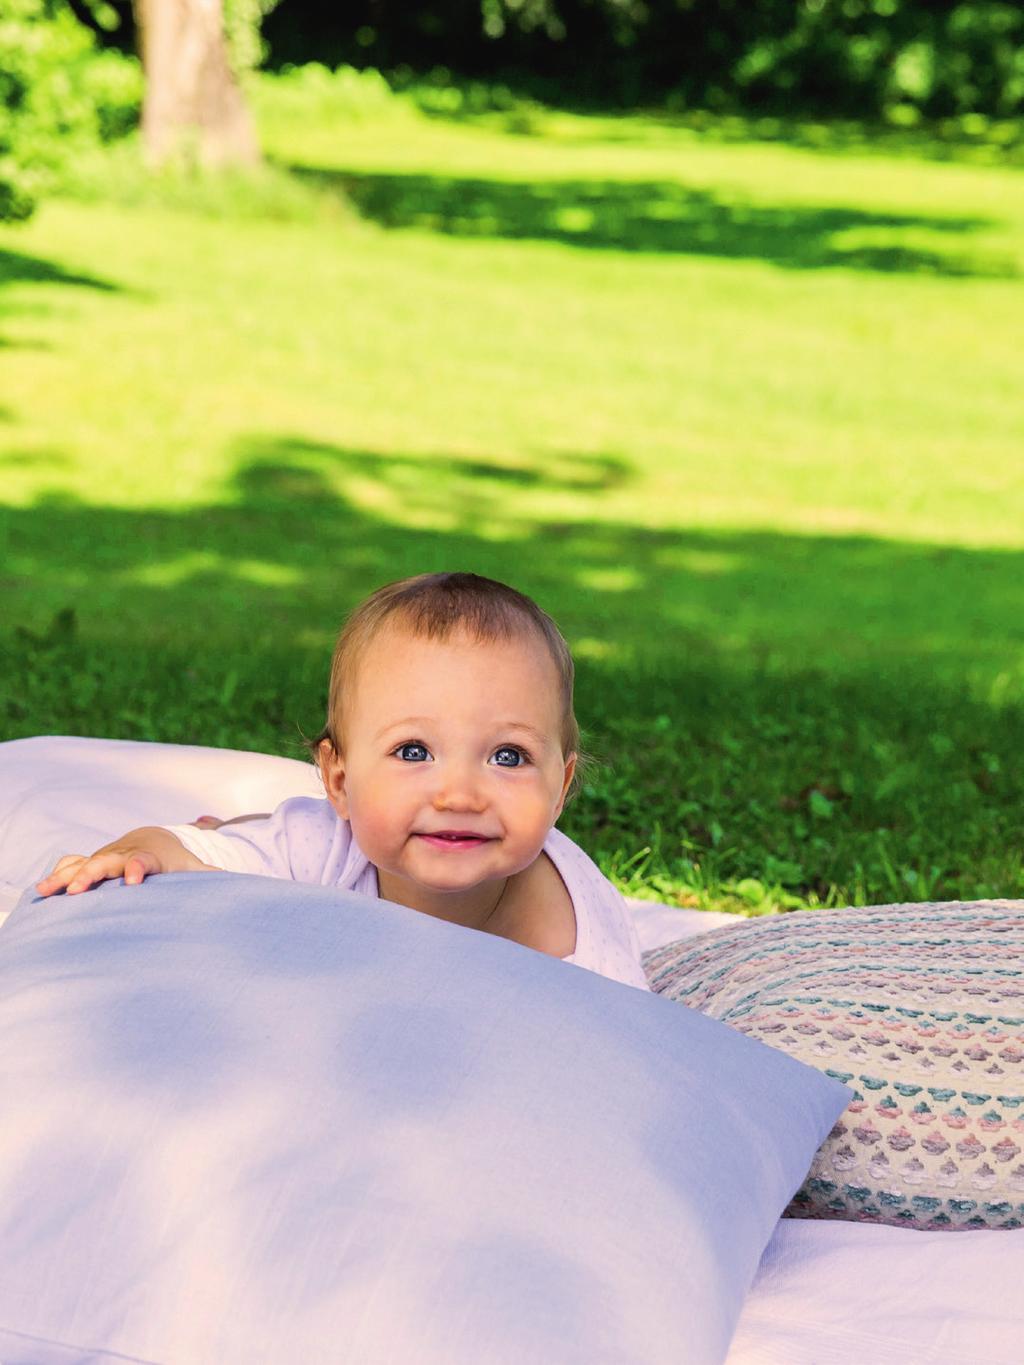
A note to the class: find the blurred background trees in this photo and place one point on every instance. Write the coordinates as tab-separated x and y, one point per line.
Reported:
60	91
830	57
68	73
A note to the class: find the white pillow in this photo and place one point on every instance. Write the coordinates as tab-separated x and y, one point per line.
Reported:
249	1120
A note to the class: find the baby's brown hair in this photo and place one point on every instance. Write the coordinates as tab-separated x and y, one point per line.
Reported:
437	605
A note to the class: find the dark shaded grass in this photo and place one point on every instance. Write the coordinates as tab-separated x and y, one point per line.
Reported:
655	217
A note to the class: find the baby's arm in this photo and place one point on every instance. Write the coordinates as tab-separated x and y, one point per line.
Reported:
263	846
137	854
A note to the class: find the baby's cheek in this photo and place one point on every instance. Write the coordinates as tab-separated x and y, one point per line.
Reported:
534	818
371	825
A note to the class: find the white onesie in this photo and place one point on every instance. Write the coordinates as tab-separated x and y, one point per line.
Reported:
306	841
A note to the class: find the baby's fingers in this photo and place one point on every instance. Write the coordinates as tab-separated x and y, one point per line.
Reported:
99	868
62	873
139	866
105	865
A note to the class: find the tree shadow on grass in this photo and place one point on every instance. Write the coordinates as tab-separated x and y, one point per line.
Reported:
660	217
818	709
17	267
272	467
305	527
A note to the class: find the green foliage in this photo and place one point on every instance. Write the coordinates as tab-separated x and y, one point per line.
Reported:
314	91
59	96
900	59
350	94
242	25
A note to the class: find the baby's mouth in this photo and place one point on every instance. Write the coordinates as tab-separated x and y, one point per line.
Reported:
454	839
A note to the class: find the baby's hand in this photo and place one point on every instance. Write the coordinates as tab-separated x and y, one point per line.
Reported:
135	856
77	872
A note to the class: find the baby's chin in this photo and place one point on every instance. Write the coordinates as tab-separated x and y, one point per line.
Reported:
455	871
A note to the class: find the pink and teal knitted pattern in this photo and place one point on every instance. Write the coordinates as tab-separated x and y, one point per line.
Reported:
920	1009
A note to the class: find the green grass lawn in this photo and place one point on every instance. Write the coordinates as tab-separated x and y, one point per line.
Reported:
745	416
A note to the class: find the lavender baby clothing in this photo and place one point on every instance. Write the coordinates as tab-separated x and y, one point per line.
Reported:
304	840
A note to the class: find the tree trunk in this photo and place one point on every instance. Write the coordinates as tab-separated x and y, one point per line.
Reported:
193	105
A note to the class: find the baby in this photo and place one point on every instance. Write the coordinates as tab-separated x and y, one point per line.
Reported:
448	754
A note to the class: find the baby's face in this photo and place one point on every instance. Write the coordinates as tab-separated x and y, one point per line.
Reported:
452	771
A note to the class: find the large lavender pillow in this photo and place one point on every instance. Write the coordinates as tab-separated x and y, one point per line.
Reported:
920	1008
249	1120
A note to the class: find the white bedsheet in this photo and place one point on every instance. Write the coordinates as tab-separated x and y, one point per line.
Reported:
859	1294
826	1293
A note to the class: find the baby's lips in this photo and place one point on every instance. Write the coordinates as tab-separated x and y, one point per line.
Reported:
454	834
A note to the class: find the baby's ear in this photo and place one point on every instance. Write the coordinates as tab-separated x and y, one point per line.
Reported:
332	771
570	770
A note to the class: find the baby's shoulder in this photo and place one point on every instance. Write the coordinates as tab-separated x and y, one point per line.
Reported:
315	811
578	871
316	841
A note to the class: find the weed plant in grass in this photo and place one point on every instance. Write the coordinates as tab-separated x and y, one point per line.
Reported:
744	416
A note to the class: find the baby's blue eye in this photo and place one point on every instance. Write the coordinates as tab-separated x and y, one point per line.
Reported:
507	757
412	753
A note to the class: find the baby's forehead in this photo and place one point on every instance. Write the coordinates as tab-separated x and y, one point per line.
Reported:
473	674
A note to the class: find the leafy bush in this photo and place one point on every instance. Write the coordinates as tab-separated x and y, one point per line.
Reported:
855	58
59	95
242	21
317	92
885	56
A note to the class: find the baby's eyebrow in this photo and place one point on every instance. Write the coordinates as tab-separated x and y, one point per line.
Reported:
401	724
526	729
504	726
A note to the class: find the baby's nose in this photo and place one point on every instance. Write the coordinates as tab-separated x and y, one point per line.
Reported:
458	788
